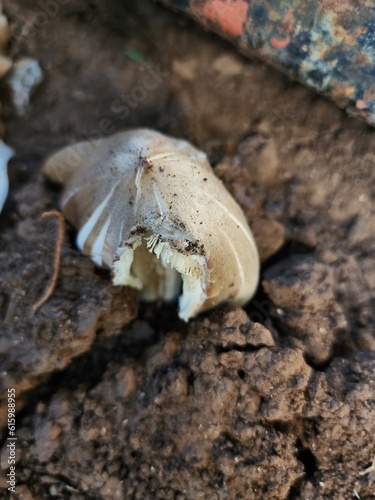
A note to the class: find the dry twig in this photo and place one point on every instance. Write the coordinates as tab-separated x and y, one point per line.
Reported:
56	264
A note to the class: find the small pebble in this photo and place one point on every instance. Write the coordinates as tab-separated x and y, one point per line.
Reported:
25	77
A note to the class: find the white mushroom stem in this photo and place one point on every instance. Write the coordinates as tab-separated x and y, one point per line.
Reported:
5	154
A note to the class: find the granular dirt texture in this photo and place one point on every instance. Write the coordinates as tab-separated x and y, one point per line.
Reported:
119	399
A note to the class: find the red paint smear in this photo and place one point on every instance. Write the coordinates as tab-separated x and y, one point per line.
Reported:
288	14
229	15
280	43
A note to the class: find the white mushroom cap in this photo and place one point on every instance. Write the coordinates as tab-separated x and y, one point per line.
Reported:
150	208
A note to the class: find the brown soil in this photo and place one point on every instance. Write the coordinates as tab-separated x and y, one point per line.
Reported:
121	400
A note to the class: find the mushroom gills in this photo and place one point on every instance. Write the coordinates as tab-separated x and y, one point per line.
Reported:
159	269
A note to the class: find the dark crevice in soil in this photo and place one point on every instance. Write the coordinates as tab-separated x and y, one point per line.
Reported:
190	381
162	317
319	367
308	459
283	427
259	308
295	489
220	349
291	247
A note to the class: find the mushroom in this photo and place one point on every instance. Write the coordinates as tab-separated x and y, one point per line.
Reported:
150	208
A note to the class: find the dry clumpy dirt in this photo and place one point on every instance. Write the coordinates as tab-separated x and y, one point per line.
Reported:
122	400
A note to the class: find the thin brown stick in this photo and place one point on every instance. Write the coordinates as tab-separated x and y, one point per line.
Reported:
57	260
